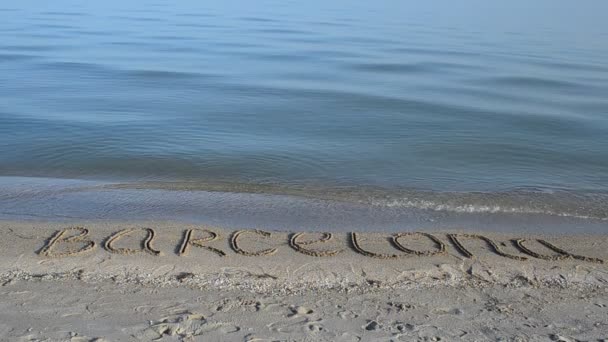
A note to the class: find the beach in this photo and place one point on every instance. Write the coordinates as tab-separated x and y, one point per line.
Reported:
303	171
170	281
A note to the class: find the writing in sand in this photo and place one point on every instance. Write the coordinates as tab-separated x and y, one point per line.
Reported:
74	241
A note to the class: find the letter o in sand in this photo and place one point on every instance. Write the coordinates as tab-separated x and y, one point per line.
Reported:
440	246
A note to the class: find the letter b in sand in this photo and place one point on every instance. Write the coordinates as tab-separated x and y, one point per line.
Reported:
73	240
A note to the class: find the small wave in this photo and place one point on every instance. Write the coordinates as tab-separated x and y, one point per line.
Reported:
433	52
56	26
63	14
10	57
140	19
195	15
45	35
393	67
259	19
168	37
164	74
532	82
284	31
283	57
525	201
570	66
34	48
479	208
407	68
198	25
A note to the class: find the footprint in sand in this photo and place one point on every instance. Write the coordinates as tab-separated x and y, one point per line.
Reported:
299	325
372	326
298	319
347	314
184	325
398	307
228	304
299	310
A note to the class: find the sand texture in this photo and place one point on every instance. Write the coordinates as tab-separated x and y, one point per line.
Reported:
130	281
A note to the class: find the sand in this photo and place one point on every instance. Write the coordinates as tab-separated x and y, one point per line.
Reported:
167	281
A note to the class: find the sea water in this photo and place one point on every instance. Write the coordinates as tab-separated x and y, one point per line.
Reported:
385	114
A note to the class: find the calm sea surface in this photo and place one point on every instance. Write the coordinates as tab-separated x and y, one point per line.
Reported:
407	111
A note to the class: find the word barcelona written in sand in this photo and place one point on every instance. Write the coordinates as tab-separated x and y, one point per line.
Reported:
76	241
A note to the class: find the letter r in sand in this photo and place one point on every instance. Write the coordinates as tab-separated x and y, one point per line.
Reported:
198	242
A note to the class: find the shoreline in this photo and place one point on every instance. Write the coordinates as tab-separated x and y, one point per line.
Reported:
31	200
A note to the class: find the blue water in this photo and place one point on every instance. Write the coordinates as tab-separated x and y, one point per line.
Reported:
467	107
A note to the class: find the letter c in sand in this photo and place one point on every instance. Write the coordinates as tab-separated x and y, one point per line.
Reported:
234	243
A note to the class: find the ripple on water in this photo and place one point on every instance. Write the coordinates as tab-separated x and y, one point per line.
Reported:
259	19
283	31
137	19
164	75
199	25
564	66
195	15
401	68
431	52
16	57
414	68
56	26
34	48
64	14
538	83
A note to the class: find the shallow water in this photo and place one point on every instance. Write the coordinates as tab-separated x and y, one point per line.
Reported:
82	202
468	108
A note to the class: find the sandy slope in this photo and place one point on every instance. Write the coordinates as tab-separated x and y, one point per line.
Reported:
107	293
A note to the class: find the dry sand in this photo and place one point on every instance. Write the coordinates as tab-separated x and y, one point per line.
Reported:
140	284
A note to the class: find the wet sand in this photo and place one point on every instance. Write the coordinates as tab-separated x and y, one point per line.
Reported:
122	281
